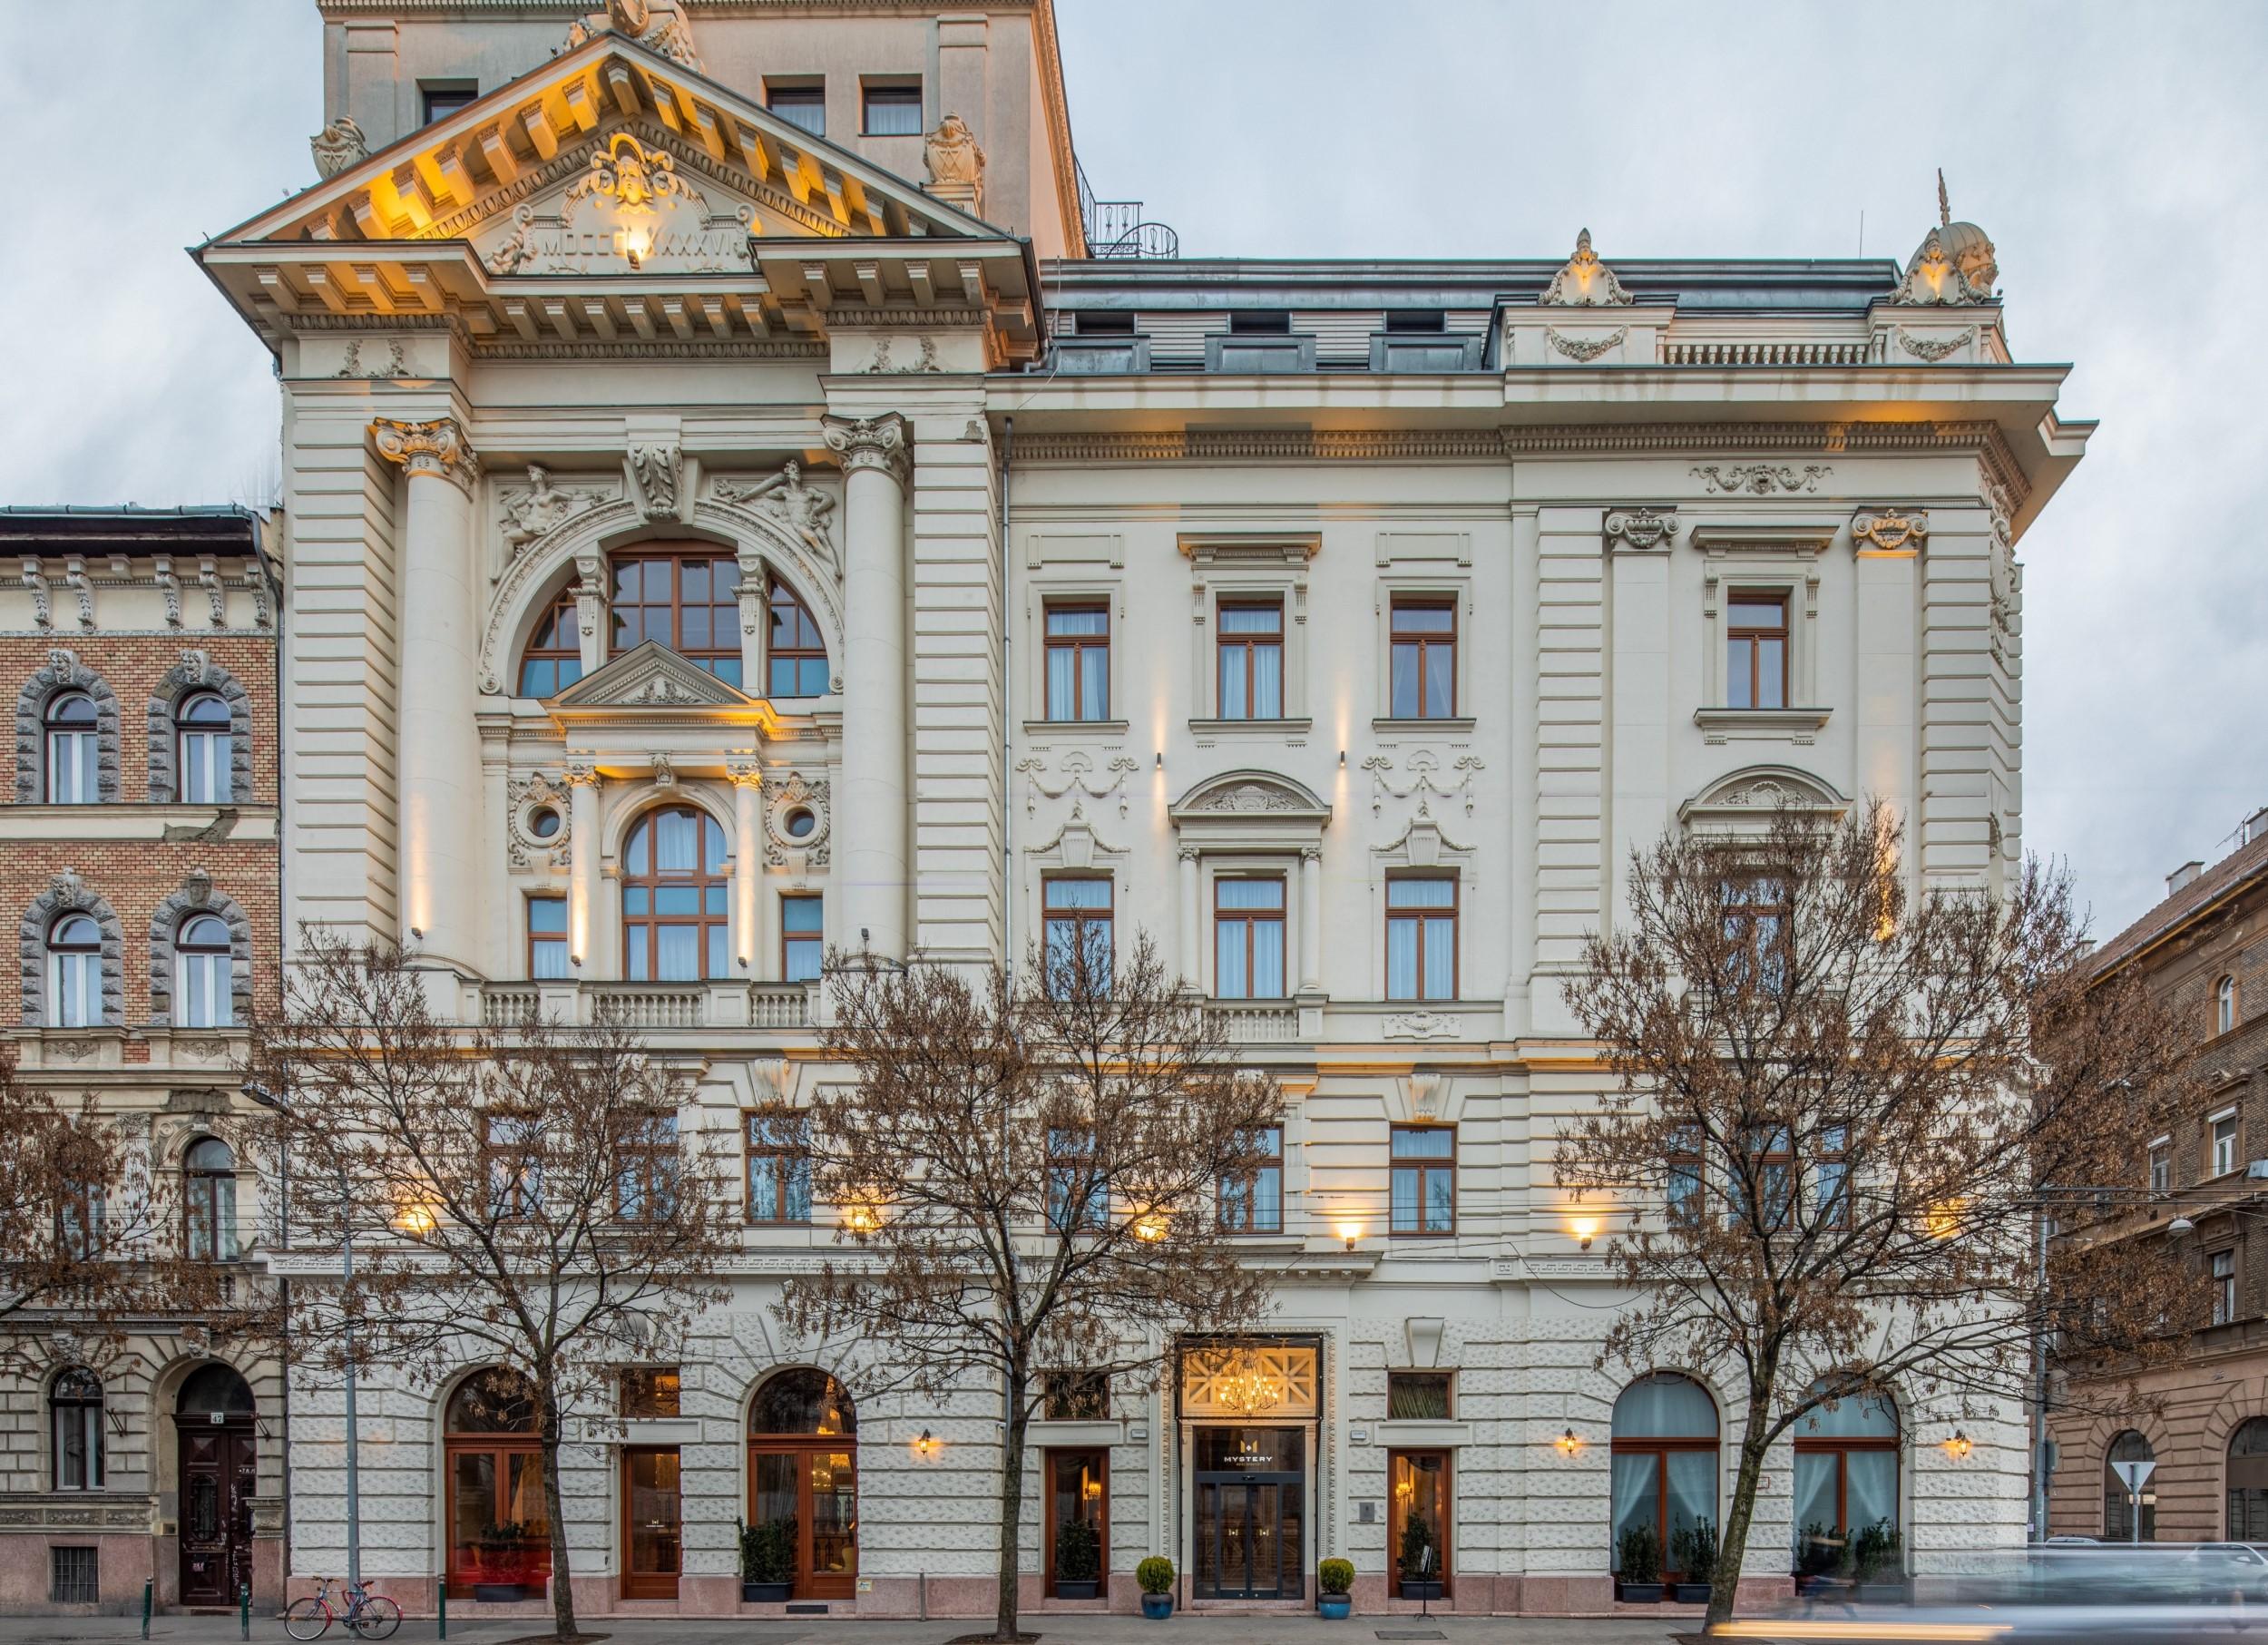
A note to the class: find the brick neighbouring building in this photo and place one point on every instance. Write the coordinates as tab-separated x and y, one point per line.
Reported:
2205	948
153	631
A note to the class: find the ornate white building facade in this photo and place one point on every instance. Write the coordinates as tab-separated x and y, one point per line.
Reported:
733	505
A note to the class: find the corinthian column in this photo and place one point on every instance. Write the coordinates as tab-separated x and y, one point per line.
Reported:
438	747
872	817
1191	924
1310	919
749	948
583	868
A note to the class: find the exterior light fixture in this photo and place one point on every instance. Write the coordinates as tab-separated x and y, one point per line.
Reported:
1148	1225
1159	764
1350	1232
417	934
2181	1225
574	959
1585	1229
1569	1442
1342	759
1959	1446
926	1445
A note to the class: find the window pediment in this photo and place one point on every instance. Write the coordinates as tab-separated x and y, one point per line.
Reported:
654	680
1745	802
1251	794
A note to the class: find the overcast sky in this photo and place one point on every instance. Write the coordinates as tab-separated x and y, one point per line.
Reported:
2116	153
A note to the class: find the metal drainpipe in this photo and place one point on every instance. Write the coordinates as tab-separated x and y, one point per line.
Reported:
1007	879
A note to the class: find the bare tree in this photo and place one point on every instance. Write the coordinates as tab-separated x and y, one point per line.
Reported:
523	1190
1843	1110
1029	1175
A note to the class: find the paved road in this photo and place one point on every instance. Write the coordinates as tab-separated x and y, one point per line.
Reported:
1053	1630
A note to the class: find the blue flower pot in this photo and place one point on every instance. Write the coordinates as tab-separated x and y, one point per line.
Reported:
1335	1607
1156	1607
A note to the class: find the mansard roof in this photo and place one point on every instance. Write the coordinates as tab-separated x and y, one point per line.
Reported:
755	225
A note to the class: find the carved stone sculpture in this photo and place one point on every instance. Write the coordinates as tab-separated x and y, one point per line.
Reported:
338	146
1584	282
438	448
957	164
1954	265
655	473
803	509
528	515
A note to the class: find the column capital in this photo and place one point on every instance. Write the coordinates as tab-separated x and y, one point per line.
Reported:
578	775
744	774
878	442
437	448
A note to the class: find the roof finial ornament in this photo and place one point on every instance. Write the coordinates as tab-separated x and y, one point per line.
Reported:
1584	282
1944	206
1954	265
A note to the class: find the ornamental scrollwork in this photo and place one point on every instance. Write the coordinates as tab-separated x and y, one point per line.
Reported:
1584	282
1761	479
1931	349
1641	530
438	448
1889	531
876	442
1582	350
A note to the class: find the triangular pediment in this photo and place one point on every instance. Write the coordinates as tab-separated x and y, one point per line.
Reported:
652	677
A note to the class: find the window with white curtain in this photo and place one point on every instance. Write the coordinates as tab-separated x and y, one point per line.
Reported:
1421	937
202	994
1846	1474
1665	1463
74	1405
75	766
1248	938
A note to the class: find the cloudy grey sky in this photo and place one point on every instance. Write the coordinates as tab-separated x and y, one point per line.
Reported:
2116	153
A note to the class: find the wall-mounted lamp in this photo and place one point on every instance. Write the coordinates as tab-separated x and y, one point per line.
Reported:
417	934
1350	1232
744	962
1148	1225
575	960
1569	1442
1342	759
1159	763
1959	1446
926	1445
1585	1229
2181	1225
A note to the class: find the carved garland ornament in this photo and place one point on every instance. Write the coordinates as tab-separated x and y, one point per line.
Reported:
1935	349
1584	349
1761	479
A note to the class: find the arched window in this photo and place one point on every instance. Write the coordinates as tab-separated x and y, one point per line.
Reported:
74	1408
687	598
803	1480
74	973
674	898
209	1201
204	743
2117	1510
795	655
1664	1466
201	989
2248	1482
74	763
2225	1005
1846	1478
500	1536
553	658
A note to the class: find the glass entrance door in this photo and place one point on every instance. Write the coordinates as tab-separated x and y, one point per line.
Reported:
1251	1507
652	1522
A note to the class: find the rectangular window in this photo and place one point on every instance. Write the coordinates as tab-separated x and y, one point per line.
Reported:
443	101
779	1168
1077	934
1248	938
1758	931
1768	1165
74	767
1424	658
894	111
2161	1166
1078	1197
1079	663
802	938
1421	937
547	938
1417	1396
1755	659
2224	1145
1261	322
649	1392
205	760
803	106
1074	1396
646	1178
1682	1178
1424	1182
1252	1201
2224	1265
1251	659
1833	1178
514	1145
77	1406
74	1576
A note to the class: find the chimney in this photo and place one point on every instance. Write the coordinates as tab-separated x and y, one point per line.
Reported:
2256	825
2182	876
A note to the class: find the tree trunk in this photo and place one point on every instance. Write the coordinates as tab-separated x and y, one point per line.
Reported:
563	1578
1732	1547
1011	1506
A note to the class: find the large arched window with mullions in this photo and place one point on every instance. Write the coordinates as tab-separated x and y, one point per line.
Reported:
676	897
795	655
683	595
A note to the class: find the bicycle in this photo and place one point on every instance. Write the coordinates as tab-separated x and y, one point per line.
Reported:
373	1616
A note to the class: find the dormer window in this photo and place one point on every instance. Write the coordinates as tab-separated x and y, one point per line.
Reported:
893	109
686	599
801	103
1260	322
443	99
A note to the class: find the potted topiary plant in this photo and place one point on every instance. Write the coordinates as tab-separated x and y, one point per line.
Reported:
1333	1577
1693	1550
1077	1560
1155	1577
1419	1562
1877	1567
1639	1558
767	1562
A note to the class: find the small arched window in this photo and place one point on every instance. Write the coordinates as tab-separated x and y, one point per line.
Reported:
2117	1510
803	1401
74	1406
209	1201
201	956
74	762
553	658
2225	1005
795	655
74	973
675	899
687	600
204	743
2248	1482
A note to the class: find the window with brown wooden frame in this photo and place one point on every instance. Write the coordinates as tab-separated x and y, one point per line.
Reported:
551	661
676	891
1252	1201
686	598
1250	648
1248	938
1422	936
1078	661
1422	1181
512	1143
778	1167
1756	654
646	1174
1423	664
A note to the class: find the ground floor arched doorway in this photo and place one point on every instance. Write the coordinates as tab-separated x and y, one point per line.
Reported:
213	1421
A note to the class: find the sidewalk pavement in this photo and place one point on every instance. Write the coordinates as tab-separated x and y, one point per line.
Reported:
1269	1629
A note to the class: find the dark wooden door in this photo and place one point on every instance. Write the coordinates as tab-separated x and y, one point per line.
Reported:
219	1477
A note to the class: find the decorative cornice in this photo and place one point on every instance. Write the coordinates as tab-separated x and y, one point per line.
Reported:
876	442
1641	530
438	448
713	348
1172	445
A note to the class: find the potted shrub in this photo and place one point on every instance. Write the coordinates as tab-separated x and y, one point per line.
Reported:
768	1560
1333	1577
1420	1562
1077	1560
1694	1552
1639	1557
1155	1577
1877	1566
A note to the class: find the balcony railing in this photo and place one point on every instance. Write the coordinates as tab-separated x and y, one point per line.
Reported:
1727	352
775	1005
1116	228
1255	1021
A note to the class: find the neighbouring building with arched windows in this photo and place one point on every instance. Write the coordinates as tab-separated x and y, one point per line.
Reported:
139	869
870	540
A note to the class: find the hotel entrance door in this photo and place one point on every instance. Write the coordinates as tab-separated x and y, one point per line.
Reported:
1251	1509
